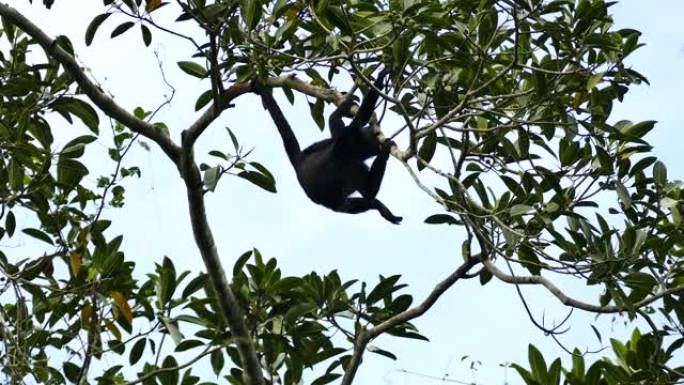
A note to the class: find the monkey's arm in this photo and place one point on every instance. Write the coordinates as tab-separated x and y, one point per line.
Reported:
335	120
367	107
288	137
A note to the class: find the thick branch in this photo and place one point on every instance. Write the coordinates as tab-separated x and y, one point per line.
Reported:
227	97
366	336
99	98
224	295
214	111
326	94
572	302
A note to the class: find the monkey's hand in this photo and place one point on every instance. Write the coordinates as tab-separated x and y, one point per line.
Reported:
347	103
386	146
258	87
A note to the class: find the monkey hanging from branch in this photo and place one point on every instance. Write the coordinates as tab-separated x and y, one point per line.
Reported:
331	170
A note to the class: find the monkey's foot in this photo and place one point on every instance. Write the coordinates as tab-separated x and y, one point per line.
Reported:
393	219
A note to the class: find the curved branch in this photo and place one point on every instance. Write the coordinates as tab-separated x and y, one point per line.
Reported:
572	302
99	98
366	336
214	111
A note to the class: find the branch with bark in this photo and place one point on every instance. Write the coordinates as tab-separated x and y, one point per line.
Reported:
570	301
94	93
183	158
364	337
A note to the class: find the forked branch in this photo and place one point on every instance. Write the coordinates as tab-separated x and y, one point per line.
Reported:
572	302
99	98
364	337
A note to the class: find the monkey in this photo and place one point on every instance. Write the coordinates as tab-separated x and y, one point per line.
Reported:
332	169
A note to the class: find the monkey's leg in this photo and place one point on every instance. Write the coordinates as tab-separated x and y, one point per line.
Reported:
377	172
359	205
355	206
385	212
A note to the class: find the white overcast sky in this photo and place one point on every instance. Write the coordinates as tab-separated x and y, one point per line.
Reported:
487	324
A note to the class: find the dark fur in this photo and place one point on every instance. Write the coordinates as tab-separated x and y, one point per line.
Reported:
332	169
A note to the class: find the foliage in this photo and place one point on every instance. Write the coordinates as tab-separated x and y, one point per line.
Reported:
640	360
507	101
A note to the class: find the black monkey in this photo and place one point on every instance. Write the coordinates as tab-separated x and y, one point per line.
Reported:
334	168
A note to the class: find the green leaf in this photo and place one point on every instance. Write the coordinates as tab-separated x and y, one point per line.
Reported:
594	81
217	361
401	303
123	27
203	100
146	35
427	149
259	179
171	376
577	363
137	351
16	174
76	147
402	333
70	172
189	344
211	178
377	350
382	289
669	203
596	333
35	233
10	224
193	69
317	113
87	114
623	194
553	377
518	210
640	281
537	363
194	285
660	173
172	327
640	129
8	28
297	311
233	138
93	26
525	374
166	283
437	219
240	263
530	260
71	371
285	284
252	13
326	379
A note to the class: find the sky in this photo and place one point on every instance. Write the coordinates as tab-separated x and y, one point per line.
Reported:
487	325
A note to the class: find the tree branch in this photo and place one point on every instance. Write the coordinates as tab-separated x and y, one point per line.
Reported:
214	111
366	336
572	302
224	101
99	98
236	90
252	374
159	371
